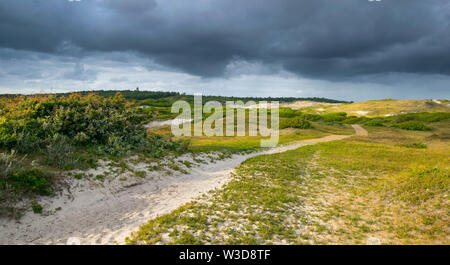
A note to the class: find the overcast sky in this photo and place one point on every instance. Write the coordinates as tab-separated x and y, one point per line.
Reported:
342	49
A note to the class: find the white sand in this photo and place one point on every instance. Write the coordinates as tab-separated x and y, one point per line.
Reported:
107	214
306	103
437	101
160	123
362	112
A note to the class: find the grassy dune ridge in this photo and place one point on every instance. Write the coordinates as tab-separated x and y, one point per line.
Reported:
384	107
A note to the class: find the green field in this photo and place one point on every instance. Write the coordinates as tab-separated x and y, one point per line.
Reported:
341	192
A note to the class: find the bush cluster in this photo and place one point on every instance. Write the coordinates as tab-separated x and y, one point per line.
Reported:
17	180
57	125
297	122
374	122
416	145
409	121
412	126
334	117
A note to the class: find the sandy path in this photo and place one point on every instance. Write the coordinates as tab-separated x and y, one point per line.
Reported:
102	216
360	131
159	123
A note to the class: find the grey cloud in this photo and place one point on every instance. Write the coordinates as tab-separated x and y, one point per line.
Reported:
39	72
321	38
347	49
80	72
132	7
119	79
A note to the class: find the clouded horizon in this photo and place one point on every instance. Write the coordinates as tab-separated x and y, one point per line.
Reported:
343	49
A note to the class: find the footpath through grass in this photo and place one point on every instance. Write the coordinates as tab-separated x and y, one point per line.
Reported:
343	192
235	144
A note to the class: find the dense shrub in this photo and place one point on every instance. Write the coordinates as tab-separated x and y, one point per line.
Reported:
355	120
312	117
17	180
435	117
416	145
422	117
289	113
413	126
54	125
403	118
28	180
374	122
28	142
334	117
297	122
59	152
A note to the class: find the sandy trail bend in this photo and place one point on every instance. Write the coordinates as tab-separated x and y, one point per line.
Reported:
102	216
360	131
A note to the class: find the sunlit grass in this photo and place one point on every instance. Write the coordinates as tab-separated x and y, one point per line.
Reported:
341	192
249	143
390	106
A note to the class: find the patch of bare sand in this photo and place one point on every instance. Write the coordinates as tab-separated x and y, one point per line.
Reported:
306	103
171	122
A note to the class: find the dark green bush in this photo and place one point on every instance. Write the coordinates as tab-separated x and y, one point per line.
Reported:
422	117
312	117
36	207
334	117
27	181
374	122
434	117
58	125
404	118
18	180
413	126
289	113
355	120
416	145
297	122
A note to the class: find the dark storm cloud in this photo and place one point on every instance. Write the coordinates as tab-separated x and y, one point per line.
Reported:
327	39
79	72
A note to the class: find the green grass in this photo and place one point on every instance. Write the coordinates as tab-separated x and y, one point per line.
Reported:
235	144
36	207
340	192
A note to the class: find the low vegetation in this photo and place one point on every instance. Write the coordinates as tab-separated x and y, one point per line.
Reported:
412	126
344	192
390	187
297	122
373	108
18	180
40	135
